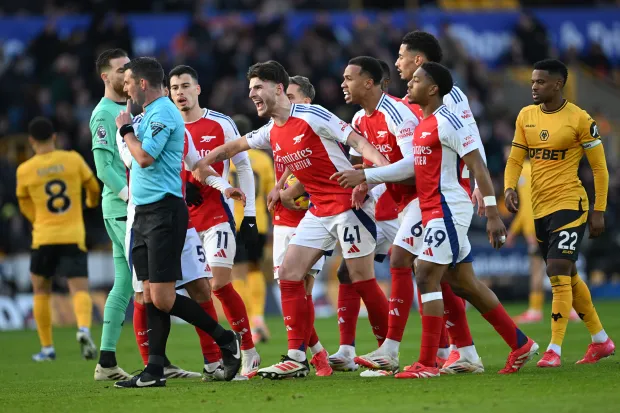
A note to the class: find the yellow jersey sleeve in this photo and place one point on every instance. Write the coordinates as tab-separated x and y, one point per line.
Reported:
518	151
93	190
595	152
26	206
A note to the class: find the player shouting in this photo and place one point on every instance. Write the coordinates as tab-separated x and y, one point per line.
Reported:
306	139
388	124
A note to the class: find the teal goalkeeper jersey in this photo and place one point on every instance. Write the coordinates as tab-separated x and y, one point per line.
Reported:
110	167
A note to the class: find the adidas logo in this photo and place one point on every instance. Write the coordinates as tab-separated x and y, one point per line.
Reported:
449	324
289	328
353	249
208	268
277	148
222	254
395	312
408	241
428	252
341	320
242	332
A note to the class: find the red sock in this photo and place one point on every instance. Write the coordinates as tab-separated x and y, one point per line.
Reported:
401	300
454	316
348	312
503	324
140	329
311	337
236	314
295	313
210	349
431	332
377	306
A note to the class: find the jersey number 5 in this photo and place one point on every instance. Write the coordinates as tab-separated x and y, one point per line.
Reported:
58	202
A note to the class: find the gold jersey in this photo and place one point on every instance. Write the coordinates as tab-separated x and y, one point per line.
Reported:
49	190
264	178
555	142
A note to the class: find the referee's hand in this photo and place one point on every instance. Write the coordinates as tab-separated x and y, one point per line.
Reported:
192	195
248	232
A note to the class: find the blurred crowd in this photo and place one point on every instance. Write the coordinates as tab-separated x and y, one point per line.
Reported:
56	77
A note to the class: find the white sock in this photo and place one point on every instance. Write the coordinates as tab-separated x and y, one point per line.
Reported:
84	330
391	346
249	352
443	353
210	367
555	348
470	353
600	337
317	348
453	347
347	351
47	349
297	355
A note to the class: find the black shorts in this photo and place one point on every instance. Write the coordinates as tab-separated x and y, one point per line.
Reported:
63	259
559	234
158	233
251	253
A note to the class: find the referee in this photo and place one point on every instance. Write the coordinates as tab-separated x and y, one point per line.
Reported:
161	219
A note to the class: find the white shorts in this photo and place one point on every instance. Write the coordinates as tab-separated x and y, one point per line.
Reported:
220	245
446	242
386	234
410	232
193	262
354	229
281	238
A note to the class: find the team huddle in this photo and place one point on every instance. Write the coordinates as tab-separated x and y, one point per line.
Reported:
402	189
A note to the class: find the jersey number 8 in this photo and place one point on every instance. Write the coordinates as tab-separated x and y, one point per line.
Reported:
58	202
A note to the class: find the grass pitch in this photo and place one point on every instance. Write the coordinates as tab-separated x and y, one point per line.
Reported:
67	384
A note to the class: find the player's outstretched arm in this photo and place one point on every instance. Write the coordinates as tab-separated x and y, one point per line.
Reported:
495	227
366	149
203	169
598	163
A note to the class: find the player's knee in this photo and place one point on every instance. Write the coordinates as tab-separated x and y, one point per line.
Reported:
163	302
221	277
343	274
400	258
199	290
559	267
290	273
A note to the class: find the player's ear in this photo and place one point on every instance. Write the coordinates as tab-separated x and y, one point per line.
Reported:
104	76
198	89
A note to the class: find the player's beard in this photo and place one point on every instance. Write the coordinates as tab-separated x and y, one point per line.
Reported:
119	90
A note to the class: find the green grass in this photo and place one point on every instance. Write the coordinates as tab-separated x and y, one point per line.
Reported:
67	384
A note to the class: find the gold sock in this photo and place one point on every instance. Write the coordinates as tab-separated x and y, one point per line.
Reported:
582	303
537	299
241	288
256	294
83	308
560	307
42	311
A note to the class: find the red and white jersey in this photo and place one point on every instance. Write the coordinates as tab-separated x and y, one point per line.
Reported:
284	216
389	128
440	141
210	131
309	143
414	107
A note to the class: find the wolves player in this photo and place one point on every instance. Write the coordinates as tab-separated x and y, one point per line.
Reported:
49	192
306	139
388	124
210	212
286	221
556	134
